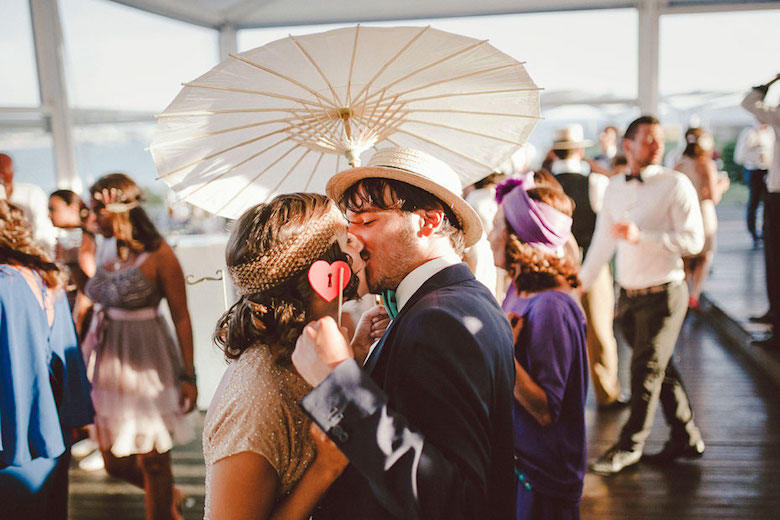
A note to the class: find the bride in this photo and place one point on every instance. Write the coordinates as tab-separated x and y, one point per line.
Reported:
261	459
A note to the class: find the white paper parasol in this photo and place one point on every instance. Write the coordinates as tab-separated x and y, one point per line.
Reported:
288	115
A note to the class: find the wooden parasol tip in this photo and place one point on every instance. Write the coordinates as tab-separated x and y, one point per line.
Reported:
353	156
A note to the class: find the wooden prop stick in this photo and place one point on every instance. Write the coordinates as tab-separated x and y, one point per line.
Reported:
341	292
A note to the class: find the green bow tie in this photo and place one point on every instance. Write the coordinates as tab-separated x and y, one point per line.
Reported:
390	303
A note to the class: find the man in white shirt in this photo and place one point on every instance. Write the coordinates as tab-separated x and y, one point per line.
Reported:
651	218
32	200
754	153
754	103
587	190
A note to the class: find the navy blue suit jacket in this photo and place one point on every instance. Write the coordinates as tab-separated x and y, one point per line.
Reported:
429	432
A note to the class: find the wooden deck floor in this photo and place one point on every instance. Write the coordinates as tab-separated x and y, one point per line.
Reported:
738	477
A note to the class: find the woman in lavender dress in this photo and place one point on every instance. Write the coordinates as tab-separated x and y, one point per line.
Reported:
551	365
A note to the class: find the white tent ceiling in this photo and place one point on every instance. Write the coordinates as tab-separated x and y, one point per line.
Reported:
229	16
269	13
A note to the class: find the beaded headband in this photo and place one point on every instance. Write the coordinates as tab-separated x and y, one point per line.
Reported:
117	206
288	258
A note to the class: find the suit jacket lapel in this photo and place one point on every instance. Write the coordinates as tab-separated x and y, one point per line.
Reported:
453	274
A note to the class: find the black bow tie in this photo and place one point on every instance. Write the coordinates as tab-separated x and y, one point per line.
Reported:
637	177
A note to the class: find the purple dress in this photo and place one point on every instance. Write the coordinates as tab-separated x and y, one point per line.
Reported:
550	461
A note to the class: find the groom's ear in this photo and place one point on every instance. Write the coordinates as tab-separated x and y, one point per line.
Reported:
429	221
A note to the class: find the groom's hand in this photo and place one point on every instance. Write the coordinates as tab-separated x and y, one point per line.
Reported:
319	349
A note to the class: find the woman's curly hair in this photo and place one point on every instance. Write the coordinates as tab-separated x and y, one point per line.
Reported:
533	270
18	248
274	317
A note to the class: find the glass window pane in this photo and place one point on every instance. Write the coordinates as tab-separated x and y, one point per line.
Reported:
19	86
121	147
591	52
108	148
122	58
718	52
32	150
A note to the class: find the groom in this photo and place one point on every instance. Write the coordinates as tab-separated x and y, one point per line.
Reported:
426	423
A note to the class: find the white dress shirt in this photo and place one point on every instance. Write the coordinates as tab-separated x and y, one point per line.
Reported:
413	281
754	148
754	103
34	202
665	208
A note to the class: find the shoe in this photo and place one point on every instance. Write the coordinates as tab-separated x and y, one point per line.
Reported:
693	303
770	341
83	448
673	451
622	401
614	461
93	462
764	318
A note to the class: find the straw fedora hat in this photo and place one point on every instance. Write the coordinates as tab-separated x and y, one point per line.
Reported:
568	137
418	169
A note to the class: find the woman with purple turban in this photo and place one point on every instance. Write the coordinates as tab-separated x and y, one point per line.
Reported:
532	226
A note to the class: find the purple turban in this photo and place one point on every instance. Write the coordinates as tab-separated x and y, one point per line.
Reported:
537	224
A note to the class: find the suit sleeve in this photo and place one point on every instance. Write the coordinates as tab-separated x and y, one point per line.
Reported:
445	391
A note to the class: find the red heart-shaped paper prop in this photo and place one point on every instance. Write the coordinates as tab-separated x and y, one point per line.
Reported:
324	278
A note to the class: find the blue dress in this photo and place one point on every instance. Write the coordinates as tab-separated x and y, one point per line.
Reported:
43	389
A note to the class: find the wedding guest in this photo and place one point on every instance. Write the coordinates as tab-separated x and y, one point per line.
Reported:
698	165
754	152
587	192
551	359
31	199
75	248
44	391
650	219
755	103
144	380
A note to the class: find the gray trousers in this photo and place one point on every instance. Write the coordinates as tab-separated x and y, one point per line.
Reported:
651	324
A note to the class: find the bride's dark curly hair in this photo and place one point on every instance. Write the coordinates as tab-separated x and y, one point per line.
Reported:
533	270
274	317
18	248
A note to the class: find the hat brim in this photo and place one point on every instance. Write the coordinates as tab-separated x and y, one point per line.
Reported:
570	145
468	218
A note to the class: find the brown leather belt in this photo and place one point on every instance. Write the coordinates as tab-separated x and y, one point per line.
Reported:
655	289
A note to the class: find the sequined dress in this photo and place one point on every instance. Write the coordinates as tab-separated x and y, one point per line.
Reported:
256	409
135	385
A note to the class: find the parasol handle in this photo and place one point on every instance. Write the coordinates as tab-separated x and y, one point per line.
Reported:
353	156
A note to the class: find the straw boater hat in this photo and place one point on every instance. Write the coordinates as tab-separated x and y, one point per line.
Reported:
418	169
569	137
